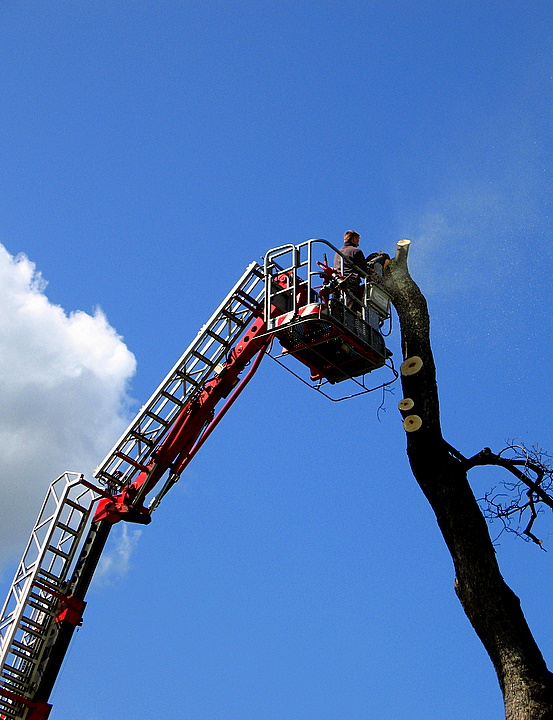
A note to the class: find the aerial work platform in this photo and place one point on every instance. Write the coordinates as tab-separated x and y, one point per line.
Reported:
318	319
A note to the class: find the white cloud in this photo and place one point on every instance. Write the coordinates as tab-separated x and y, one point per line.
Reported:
63	401
115	560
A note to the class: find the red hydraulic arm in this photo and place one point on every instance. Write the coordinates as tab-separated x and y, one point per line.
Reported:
190	430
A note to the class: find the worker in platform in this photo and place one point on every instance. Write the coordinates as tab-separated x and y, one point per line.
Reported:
351	253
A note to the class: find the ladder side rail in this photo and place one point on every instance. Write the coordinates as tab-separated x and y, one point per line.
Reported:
193	368
190	369
11	709
29	643
182	362
42	565
46	673
57	644
216	323
67	540
28	624
198	421
32	553
255	342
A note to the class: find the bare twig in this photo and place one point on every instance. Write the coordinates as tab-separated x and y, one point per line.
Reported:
533	487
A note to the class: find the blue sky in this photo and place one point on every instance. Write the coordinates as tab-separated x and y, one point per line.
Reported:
148	153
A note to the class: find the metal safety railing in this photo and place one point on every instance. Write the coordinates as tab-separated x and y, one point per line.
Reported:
293	279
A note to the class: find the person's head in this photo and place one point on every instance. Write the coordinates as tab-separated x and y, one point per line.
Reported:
352	237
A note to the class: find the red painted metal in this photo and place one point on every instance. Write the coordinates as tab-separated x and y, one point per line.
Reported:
71	608
191	428
71	611
115	509
37	710
213	424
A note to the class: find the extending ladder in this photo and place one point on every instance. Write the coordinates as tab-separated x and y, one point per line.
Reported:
49	569
37	594
194	368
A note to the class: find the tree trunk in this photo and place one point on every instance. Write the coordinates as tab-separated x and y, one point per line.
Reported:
491	606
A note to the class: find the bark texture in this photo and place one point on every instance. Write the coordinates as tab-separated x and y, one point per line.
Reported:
441	472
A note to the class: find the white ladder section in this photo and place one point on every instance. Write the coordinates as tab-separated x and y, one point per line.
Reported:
35	597
194	368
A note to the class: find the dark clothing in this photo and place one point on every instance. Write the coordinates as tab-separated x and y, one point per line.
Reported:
349	271
352	253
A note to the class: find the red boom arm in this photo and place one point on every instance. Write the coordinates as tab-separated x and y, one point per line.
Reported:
190	429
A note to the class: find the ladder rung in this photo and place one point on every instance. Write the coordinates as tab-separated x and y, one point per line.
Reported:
217	337
172	398
31	626
19	687
110	479
131	461
157	418
20	654
203	358
48	609
75	506
142	438
22	646
39	634
14	682
66	528
57	551
31	631
43	598
10	669
46	578
12	711
233	317
259	272
247	300
187	378
9	710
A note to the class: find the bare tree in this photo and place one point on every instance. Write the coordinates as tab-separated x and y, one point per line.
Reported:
441	472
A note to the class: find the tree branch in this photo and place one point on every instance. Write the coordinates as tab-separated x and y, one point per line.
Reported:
486	457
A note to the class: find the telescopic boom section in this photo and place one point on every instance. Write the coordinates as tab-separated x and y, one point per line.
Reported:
193	423
335	333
